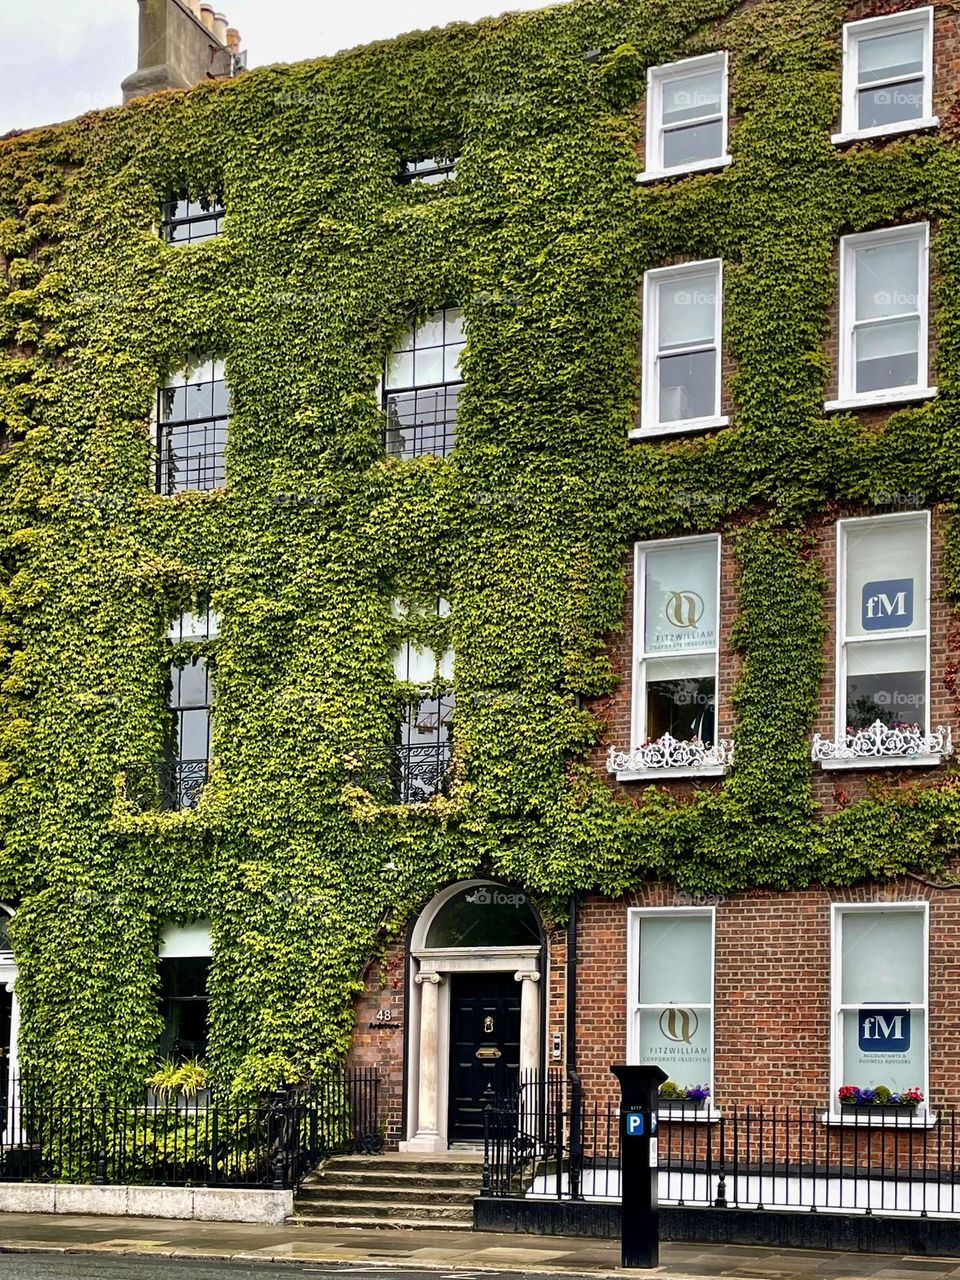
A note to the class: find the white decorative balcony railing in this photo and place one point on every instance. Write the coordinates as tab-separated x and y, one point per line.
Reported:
883	743
669	755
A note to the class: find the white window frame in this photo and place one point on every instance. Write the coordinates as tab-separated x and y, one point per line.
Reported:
837	911
638	730
914	633
853	33
849	397
650	373
635	918
656	78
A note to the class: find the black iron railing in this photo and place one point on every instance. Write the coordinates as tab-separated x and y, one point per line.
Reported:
176	1141
407	775
170	786
421	420
566	1147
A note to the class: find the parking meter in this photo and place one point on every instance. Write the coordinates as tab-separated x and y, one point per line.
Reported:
639	1227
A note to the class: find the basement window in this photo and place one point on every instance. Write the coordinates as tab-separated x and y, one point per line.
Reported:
187	221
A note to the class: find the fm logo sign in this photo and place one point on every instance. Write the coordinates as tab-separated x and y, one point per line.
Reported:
887	605
884	1030
684	609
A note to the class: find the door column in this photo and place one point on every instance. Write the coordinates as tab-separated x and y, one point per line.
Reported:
529	1021
427	1137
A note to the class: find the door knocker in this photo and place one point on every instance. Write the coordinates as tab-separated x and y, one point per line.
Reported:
488	1025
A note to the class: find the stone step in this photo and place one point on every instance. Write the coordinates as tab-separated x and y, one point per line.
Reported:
424	1193
395	1222
442	1214
438	1166
398	1183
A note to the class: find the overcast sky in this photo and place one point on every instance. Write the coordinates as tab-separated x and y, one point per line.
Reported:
59	58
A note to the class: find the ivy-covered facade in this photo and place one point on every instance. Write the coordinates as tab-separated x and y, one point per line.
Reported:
338	420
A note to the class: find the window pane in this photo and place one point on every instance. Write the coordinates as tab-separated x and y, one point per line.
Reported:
887	355
881	954
191	687
453	325
890	104
678	1041
675	959
681	598
428	366
692	97
888	279
451	362
400	369
886	681
692	143
414	664
884	57
884	1046
687	307
430	333
193	740
886	566
688	387
681	696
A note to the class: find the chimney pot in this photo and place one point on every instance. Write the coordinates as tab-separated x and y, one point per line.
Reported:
206	16
233	40
194	7
220	27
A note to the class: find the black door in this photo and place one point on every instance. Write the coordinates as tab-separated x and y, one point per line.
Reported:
6	1013
484	1048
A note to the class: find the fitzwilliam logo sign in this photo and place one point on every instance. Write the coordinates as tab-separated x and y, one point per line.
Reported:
887	606
684	609
679	1025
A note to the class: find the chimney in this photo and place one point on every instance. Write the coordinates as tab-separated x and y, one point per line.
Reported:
182	43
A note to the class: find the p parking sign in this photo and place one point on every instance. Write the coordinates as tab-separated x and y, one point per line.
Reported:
635	1124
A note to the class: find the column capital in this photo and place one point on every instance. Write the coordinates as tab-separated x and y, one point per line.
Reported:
433	978
530	975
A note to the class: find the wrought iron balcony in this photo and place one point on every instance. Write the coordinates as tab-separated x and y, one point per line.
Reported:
408	774
671	757
881	744
168	786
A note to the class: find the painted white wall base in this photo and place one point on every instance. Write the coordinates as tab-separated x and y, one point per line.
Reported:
205	1204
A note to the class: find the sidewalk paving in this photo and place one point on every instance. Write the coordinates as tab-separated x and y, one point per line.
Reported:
447	1250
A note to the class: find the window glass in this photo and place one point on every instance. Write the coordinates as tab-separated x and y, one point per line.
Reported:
888	278
681	597
186	221
674	1014
882	1014
692	143
421	387
886	78
692	97
489	915
682	316
887	56
882	957
886	564
184	1007
193	410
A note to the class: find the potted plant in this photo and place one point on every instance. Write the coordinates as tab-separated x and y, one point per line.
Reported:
879	1101
673	1097
186	1084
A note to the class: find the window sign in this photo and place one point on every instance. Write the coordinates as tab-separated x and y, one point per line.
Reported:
676	640
884	604
672	993
881	996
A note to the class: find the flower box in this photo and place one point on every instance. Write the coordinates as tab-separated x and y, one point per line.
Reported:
680	1105
877	1109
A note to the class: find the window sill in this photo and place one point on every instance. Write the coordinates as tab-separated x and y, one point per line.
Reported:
679	428
707	1116
699	166
884	762
879	399
670	774
886	130
923	1120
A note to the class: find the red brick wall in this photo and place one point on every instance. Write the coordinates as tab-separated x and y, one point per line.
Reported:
772	991
379	1043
